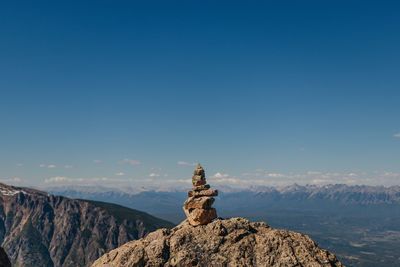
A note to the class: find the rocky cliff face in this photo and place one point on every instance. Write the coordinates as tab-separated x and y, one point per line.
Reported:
232	242
38	229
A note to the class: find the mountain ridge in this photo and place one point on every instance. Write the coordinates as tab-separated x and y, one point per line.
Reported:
40	229
354	194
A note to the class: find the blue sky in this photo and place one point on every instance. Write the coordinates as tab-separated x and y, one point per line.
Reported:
121	91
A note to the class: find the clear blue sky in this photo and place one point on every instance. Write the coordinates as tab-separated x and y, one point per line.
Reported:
287	87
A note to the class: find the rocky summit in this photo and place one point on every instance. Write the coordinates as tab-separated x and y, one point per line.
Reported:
231	242
203	240
197	207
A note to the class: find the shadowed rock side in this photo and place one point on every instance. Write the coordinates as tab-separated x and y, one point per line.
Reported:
4	260
37	229
231	242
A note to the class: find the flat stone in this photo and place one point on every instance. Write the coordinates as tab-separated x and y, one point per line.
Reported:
198	177
203	193
201	216
198	203
201	187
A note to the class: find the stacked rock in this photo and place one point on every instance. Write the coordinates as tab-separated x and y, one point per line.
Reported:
197	207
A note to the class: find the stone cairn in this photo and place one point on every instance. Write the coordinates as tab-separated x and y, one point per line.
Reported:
197	207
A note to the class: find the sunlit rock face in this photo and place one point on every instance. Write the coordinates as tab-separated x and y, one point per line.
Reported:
231	242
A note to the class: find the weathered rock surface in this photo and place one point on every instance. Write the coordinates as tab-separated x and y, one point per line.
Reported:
199	203
38	229
231	242
202	193
201	216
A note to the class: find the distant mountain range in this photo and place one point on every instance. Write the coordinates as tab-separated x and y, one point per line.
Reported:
361	224
167	204
40	229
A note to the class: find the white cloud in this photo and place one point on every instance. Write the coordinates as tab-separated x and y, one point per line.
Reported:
184	163
313	173
19	164
220	175
97	161
128	184
120	174
69	180
49	166
132	162
252	180
265	178
68	166
397	135
12	180
56	179
274	175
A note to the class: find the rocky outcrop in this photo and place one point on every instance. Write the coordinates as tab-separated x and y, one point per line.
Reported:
38	229
4	260
197	207
231	242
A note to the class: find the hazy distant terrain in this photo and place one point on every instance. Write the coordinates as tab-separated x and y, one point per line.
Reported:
361	224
